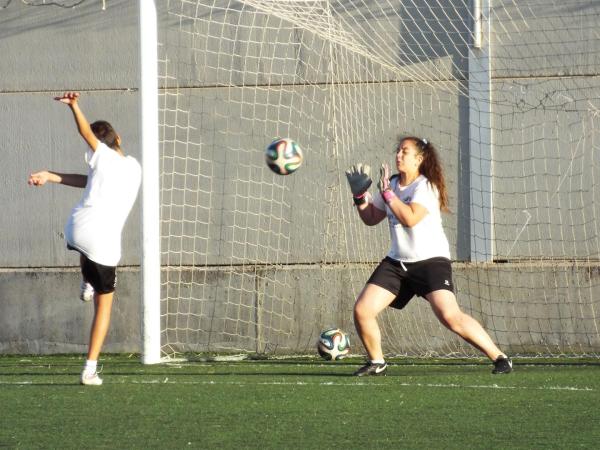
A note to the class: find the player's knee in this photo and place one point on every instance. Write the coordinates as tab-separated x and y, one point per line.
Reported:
452	320
362	311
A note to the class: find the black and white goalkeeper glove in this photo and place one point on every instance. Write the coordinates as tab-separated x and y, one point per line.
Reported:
359	179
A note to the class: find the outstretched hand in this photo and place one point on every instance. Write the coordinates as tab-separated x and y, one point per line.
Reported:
69	98
384	178
38	178
359	179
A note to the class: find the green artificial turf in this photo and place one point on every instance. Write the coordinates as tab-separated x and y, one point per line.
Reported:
299	404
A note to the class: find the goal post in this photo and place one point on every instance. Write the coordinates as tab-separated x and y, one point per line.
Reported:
148	114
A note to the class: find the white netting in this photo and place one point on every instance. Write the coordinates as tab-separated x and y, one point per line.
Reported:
259	262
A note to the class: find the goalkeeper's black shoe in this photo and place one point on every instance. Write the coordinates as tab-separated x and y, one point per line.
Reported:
503	364
371	369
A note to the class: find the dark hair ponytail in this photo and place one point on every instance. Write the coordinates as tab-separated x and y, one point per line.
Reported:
431	168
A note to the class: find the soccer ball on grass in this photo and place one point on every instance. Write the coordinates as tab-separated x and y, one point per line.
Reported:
333	344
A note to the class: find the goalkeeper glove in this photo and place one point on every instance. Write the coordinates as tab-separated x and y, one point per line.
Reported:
384	183
359	179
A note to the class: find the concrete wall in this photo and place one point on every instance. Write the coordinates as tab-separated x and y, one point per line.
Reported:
545	125
544	140
45	52
41	313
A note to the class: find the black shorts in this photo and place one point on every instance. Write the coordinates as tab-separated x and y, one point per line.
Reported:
406	280
102	278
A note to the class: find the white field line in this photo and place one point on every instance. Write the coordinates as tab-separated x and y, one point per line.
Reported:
115	380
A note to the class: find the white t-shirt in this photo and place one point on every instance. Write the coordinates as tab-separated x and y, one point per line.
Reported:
427	238
96	222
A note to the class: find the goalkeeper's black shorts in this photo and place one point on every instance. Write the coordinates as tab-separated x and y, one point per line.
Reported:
406	280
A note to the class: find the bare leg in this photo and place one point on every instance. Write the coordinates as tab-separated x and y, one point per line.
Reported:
446	309
372	300
102	310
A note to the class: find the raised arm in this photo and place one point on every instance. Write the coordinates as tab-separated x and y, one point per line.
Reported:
359	179
369	214
68	179
83	126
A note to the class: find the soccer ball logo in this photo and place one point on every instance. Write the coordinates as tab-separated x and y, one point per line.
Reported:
333	344
283	156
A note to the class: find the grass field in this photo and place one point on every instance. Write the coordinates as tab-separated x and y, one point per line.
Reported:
301	404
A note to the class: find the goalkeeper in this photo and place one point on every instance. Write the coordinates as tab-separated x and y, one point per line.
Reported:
96	222
418	262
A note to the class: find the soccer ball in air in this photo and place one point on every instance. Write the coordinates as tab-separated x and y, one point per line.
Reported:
333	344
283	156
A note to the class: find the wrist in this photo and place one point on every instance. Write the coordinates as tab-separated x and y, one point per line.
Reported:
388	195
360	199
53	177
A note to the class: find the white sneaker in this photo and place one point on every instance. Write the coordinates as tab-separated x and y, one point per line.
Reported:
90	379
87	292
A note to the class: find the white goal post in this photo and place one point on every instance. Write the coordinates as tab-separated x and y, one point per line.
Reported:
150	310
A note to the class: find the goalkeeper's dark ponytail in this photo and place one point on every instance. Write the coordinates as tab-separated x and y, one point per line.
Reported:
431	168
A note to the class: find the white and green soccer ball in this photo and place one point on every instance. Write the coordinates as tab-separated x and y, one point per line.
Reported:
333	344
283	156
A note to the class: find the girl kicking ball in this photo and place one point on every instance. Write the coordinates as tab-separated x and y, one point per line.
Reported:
96	222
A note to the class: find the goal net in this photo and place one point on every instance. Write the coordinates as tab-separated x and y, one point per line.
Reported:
257	262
